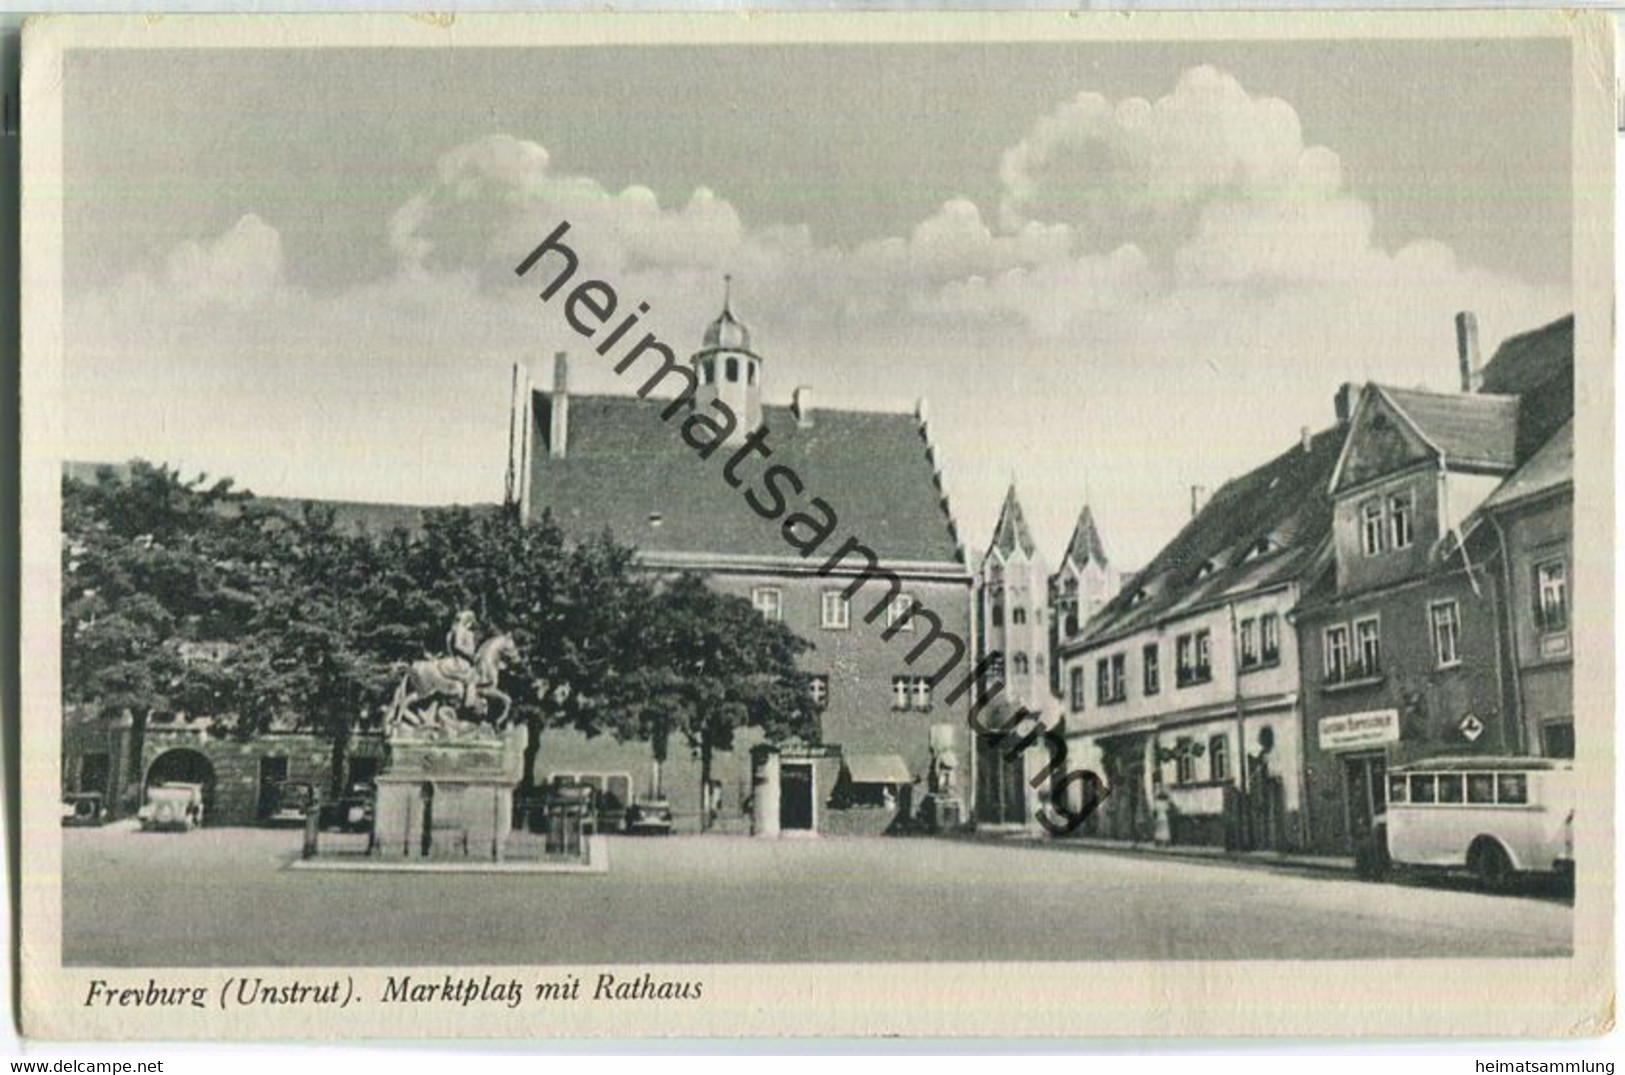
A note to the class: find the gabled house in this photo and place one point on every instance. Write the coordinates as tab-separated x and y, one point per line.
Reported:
1401	633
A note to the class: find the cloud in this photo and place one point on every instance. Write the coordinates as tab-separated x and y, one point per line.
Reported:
1144	260
493	196
1138	168
239	269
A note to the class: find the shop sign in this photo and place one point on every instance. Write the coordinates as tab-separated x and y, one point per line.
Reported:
1349	730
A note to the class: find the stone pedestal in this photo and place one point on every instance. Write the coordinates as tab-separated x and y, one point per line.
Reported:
943	810
765	789
447	795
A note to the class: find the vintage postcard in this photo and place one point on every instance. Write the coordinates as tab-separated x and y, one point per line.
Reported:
1003	524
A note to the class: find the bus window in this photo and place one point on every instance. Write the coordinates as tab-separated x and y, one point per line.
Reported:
1396	788
1422	788
1450	787
1481	787
1514	788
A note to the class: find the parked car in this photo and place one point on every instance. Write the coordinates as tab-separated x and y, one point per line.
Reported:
83	808
353	811
649	817
294	800
172	806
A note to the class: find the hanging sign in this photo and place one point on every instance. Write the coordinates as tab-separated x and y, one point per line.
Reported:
1349	730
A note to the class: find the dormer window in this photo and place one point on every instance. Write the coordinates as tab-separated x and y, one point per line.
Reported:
1205	570
1262	547
1139	597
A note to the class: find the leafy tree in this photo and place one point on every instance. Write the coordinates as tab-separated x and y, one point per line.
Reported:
565	603
317	647
151	576
708	666
190	596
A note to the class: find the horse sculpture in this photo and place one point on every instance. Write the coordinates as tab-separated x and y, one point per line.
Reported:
434	692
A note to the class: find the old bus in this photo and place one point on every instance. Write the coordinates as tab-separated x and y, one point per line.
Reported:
1496	816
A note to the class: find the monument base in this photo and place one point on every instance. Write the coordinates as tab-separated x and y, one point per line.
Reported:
447	797
942	813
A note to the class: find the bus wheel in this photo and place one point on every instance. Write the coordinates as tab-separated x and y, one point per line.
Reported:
1490	863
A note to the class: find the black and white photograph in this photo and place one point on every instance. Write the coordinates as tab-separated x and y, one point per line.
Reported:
578	524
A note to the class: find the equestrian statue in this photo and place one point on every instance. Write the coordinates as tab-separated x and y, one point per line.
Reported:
456	689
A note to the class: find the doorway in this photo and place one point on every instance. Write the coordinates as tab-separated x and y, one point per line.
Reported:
273	771
183	766
1001	793
1365	794
796	797
94	773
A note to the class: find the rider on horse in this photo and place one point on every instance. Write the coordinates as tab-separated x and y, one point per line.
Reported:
461	646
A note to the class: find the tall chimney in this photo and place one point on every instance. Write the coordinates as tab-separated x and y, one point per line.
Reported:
1467	351
1198	499
801	404
1306	437
1343	402
558	433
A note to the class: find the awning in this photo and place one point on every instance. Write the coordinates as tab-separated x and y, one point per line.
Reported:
877	769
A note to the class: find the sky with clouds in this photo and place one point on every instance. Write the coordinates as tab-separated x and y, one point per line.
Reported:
1115	271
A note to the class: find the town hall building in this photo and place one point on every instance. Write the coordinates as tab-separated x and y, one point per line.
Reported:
886	604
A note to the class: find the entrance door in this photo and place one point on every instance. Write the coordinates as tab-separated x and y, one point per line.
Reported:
1365	792
1128	815
795	796
94	770
1001	797
273	771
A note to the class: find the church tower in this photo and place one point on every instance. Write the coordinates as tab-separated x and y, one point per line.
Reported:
729	371
1086	579
1012	602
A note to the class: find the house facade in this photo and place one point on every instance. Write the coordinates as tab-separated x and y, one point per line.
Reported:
1530	522
118	756
1414	631
1182	691
835	524
1531	519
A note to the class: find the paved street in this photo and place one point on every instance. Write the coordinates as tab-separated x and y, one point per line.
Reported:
225	897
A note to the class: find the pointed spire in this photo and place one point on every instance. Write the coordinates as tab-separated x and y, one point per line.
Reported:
1086	546
727	293
1012	533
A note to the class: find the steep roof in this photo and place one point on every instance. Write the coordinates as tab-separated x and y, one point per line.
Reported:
1528	360
1263	528
1549	468
1467	428
1086	546
1537	366
626	470
1011	532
